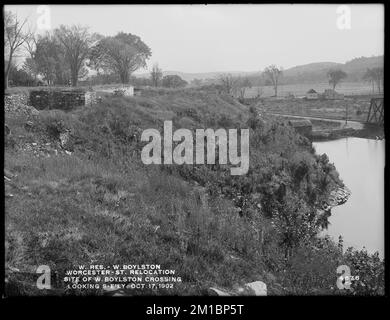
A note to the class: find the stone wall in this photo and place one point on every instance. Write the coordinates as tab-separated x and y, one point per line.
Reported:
61	99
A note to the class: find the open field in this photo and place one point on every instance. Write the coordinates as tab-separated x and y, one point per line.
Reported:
356	106
347	88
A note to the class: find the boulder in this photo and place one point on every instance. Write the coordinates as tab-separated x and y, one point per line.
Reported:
218	292
258	288
28	125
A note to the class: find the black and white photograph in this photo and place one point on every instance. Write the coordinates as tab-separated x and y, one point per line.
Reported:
194	150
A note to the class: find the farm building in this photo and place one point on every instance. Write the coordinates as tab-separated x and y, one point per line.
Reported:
303	127
331	94
312	94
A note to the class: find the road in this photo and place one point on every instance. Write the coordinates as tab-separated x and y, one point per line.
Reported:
350	124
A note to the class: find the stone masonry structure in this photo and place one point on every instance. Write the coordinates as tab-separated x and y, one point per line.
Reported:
61	99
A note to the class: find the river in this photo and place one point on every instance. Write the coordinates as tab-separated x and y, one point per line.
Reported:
360	163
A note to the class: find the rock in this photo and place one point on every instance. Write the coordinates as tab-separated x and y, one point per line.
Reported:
8	174
64	138
118	294
218	292
28	125
258	288
233	257
12	269
7	130
17	105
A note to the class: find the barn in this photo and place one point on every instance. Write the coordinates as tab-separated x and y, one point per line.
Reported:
312	94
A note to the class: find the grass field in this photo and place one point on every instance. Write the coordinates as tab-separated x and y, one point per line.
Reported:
347	88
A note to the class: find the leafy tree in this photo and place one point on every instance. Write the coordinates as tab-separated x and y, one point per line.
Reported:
173	81
156	75
273	73
122	54
19	77
374	76
49	58
370	269
335	76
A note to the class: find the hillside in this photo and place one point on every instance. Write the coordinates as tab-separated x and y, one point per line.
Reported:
312	72
78	193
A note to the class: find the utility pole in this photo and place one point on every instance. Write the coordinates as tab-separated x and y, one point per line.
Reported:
346	114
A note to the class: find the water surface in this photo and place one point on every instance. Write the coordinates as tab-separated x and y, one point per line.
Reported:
360	163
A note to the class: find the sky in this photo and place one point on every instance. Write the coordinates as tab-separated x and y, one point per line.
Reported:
211	38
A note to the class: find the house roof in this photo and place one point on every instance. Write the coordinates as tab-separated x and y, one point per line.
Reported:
312	91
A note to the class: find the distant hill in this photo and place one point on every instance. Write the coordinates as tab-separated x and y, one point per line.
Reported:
316	72
312	72
201	75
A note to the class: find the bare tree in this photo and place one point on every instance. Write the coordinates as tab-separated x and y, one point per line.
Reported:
31	45
229	83
14	38
273	73
77	42
156	75
30	65
243	84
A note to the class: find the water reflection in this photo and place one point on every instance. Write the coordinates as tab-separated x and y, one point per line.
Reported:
360	163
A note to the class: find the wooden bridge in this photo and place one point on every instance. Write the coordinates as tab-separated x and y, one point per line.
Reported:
376	111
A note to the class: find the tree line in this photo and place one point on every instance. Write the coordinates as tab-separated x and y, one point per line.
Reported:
271	76
66	54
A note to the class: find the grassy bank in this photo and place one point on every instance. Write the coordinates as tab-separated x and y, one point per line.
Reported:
98	204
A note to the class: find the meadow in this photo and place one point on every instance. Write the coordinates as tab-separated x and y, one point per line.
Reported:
99	204
347	88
